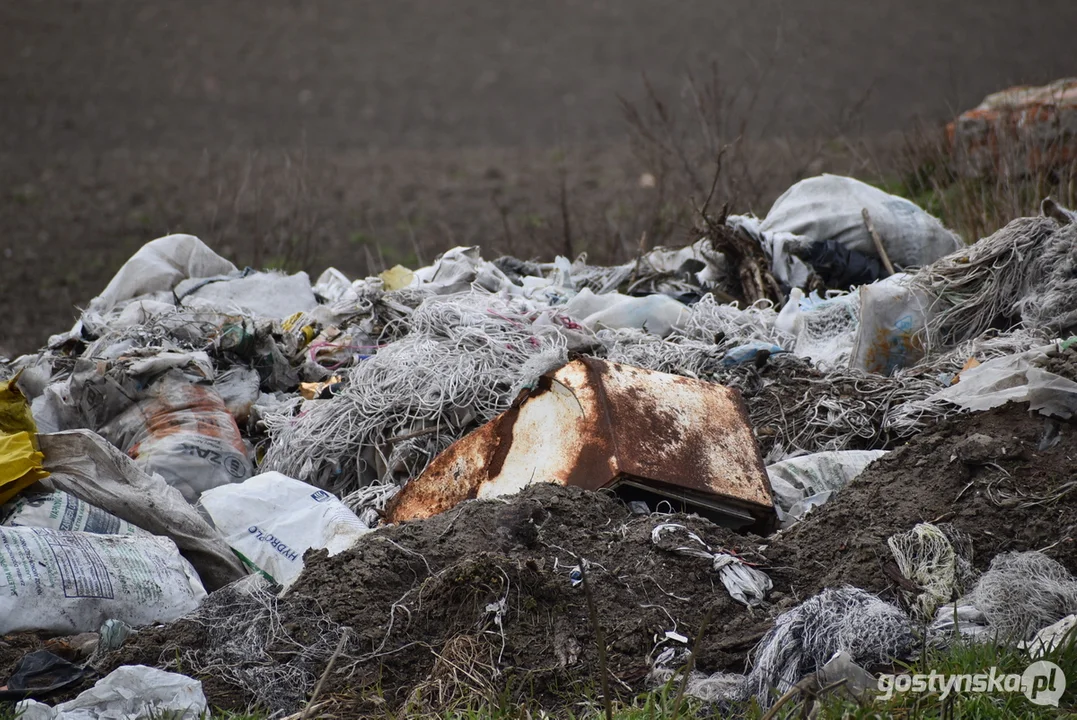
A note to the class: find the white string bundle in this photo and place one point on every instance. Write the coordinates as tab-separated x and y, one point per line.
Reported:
926	556
979	286
676	355
1024	592
805	638
1053	306
729	325
272	648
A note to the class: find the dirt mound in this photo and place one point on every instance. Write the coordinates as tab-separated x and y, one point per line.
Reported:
1003	477
480	603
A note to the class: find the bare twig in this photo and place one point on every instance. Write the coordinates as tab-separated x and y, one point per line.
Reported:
690	665
600	638
878	242
565	219
321	681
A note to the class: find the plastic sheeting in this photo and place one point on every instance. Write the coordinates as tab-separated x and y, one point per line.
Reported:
796	479
260	294
1013	378
131	692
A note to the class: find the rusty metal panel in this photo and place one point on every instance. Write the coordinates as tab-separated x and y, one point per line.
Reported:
679	431
595	424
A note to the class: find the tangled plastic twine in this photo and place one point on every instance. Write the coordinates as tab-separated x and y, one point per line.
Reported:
455	366
249	645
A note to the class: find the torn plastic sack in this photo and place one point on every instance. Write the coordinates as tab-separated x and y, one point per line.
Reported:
259	294
802	507
86	466
182	431
852	679
331	285
795	479
893	318
58	510
960	619
830	207
159	266
271	519
1013	378
1060	635
67	582
744	583
130	692
20	460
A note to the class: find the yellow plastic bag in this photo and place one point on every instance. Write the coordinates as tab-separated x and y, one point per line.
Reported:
20	464
15	415
20	461
397	278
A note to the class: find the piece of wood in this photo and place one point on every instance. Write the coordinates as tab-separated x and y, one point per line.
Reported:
878	242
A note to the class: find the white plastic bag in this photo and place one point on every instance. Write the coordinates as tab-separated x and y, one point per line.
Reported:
1062	634
332	284
68	582
893	316
794	480
59	511
271	519
830	207
130	692
655	314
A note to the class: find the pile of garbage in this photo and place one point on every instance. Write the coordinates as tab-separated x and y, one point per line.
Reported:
451	482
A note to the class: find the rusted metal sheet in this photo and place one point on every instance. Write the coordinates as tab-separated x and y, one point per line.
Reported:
598	425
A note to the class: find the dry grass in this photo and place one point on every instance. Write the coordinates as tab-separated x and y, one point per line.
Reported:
972	202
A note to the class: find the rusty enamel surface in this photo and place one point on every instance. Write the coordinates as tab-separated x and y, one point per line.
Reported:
595	424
